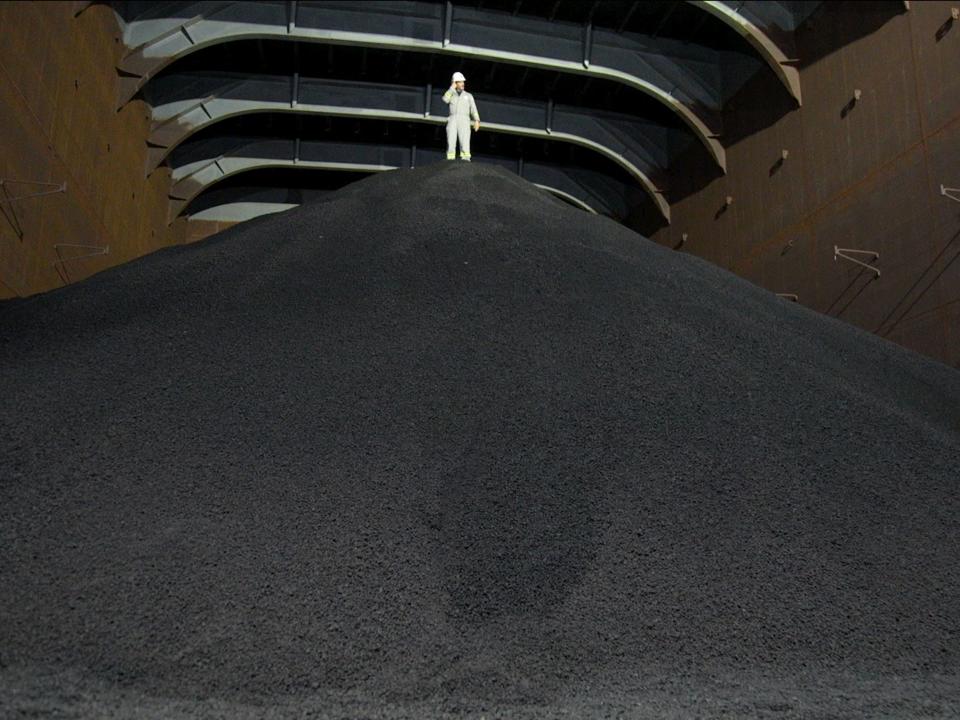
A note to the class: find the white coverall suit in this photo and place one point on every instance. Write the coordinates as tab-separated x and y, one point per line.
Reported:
463	109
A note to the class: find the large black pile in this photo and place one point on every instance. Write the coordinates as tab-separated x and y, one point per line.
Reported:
442	446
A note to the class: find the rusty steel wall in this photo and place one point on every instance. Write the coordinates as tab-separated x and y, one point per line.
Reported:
863	174
59	124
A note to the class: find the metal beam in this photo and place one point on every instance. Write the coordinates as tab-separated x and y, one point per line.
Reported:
771	53
143	62
571	187
172	129
240	210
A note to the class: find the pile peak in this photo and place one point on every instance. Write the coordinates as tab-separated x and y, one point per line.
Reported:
443	444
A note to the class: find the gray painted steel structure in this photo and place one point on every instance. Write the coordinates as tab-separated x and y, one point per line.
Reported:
684	78
692	80
223	157
753	20
248	203
639	147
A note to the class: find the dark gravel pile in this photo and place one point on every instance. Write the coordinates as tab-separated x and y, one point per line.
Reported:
441	446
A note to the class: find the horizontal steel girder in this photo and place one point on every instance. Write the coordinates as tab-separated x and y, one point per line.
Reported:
584	187
258	192
639	148
686	78
243	207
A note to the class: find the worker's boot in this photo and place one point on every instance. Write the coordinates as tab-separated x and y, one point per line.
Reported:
465	156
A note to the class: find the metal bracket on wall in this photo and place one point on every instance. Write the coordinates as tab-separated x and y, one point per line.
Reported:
946	192
182	28
15	221
789	296
98	250
59	188
842	252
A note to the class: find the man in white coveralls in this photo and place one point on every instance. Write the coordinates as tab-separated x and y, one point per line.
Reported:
463	109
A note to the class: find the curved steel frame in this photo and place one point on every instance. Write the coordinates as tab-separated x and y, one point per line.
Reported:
676	79
761	42
240	211
178	204
160	42
174	128
197	176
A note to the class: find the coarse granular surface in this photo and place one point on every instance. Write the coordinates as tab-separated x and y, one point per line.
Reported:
440	446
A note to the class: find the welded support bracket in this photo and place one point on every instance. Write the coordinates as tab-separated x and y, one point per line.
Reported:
447	22
413	157
548	124
842	252
295	90
186	33
175	193
948	192
58	188
15	220
792	297
587	43
131	80
428	91
97	250
296	152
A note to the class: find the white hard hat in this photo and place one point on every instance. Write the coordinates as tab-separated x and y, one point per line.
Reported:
458	77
